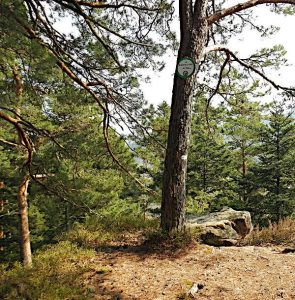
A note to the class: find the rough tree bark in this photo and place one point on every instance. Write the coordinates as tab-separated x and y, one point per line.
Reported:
25	243
194	31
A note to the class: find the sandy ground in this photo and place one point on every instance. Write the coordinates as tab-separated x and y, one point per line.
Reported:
229	273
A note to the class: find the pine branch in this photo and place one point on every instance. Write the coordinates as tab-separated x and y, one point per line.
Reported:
23	137
243	6
242	62
8	143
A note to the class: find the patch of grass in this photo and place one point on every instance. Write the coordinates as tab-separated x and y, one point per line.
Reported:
186	286
204	249
281	233
57	273
87	237
188	283
103	233
128	223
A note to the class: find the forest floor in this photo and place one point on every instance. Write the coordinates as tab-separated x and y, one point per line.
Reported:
229	273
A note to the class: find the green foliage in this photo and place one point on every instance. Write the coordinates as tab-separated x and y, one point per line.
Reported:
274	171
57	273
119	213
78	175
87	237
210	163
150	146
37	224
200	202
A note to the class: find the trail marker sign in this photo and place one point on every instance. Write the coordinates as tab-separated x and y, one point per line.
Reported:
185	68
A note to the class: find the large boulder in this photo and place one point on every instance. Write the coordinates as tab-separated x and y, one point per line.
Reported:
224	228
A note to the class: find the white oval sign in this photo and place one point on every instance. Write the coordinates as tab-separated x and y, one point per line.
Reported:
185	67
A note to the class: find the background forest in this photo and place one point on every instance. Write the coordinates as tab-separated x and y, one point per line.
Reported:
243	158
242	150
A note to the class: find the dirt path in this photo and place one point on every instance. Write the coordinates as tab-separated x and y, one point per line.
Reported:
233	273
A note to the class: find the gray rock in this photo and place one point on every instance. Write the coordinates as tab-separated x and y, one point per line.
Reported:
224	228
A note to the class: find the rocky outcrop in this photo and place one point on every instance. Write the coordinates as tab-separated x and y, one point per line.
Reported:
224	228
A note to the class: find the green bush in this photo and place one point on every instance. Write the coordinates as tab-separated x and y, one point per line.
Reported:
56	274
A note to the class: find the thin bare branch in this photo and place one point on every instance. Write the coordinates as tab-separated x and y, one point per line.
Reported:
242	62
216	88
243	6
89	18
29	125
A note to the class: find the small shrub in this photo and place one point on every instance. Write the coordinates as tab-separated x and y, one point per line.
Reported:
159	240
281	233
56	274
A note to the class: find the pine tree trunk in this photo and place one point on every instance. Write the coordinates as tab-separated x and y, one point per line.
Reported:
193	39
25	244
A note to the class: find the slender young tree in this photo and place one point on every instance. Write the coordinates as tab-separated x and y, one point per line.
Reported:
242	126
151	149
23	141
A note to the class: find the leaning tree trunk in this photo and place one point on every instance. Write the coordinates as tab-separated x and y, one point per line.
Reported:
194	32
24	221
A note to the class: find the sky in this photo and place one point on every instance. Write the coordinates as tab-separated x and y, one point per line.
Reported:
160	87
